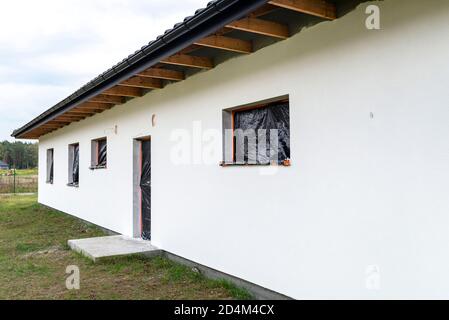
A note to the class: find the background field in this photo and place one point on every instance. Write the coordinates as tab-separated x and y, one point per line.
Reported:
25	181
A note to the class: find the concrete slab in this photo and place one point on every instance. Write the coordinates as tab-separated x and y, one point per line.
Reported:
113	246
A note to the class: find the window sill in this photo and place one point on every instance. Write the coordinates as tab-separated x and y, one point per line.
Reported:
49	182
72	185
285	163
98	167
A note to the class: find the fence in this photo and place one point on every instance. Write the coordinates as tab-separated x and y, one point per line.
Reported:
18	184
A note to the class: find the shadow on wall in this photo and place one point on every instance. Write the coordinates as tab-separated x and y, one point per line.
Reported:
325	37
315	36
330	35
346	6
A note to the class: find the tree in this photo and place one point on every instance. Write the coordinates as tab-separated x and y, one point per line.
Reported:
19	155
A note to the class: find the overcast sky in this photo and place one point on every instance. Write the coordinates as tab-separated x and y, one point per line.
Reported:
50	48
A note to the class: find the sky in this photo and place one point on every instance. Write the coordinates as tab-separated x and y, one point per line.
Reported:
50	48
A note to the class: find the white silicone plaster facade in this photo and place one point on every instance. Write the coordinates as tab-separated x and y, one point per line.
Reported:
369	181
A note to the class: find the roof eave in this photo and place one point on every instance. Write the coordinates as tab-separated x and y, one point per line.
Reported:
206	21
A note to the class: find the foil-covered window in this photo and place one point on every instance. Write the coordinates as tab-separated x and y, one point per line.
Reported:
262	135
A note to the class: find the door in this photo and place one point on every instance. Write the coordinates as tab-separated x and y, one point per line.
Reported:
145	189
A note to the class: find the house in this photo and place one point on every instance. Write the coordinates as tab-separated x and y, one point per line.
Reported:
351	199
3	166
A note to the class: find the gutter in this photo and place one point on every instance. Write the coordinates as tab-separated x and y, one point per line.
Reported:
217	14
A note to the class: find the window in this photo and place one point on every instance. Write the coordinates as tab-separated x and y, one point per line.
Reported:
99	148
258	134
74	164
50	168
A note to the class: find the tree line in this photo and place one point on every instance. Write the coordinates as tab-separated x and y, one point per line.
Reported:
19	155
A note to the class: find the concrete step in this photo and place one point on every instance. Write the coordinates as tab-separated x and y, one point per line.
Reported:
113	246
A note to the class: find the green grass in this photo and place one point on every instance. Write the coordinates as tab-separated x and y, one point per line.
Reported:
25	181
34	256
21	172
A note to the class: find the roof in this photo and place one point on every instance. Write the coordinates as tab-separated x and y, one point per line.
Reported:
169	58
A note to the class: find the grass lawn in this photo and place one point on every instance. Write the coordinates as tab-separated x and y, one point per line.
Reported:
21	172
25	181
34	256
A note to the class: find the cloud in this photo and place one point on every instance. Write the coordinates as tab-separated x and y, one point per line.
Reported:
50	48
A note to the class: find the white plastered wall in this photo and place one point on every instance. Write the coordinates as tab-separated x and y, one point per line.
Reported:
361	190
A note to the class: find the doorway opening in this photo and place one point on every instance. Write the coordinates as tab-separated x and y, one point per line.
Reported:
142	188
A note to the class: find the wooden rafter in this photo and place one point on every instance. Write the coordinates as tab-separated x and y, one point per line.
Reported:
124	92
189	61
142	82
74	119
263	27
159	73
81	112
263	10
76	112
52	125
39	130
101	98
226	43
51	129
189	49
319	8
60	121
95	106
69	117
66	115
256	22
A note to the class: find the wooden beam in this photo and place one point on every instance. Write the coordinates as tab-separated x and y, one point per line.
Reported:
263	10
76	112
50	129
165	74
60	121
65	115
74	120
37	131
142	82
124	92
226	43
263	27
189	61
189	49
69	117
95	106
50	125
319	8
101	98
